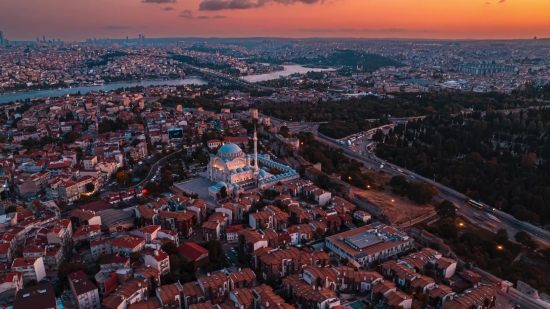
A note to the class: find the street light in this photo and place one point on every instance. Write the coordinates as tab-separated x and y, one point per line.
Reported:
461	224
392	200
500	247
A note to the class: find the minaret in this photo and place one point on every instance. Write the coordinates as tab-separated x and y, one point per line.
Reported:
255	150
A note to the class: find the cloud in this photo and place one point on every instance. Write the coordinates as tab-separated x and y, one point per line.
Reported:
168	8
502	1
158	1
218	5
219	16
116	27
487	3
187	14
203	17
365	30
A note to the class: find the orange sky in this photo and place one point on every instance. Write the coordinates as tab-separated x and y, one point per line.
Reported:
80	19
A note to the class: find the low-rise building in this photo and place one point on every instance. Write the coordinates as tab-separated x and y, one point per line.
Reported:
364	245
30	268
38	296
84	291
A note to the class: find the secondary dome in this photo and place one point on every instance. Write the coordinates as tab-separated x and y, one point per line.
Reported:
230	150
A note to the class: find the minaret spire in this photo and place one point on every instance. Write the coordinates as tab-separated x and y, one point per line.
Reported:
255	150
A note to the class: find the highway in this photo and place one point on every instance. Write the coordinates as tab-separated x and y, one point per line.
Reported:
479	217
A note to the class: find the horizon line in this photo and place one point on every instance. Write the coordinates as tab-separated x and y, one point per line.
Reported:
302	38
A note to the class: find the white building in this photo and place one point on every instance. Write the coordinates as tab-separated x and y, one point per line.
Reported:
362	246
11	281
159	260
84	291
30	268
233	169
362	215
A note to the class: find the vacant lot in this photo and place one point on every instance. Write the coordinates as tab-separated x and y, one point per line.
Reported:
398	209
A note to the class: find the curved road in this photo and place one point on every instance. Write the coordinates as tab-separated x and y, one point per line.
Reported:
511	224
481	217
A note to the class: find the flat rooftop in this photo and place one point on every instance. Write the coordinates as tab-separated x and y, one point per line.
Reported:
364	239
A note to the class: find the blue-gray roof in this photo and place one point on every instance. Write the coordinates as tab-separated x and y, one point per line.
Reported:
229	149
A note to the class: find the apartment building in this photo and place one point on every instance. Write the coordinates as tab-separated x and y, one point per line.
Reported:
158	259
364	245
30	268
170	295
275	264
84	291
129	292
261	220
182	222
214	287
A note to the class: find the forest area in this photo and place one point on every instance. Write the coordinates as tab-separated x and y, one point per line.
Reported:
403	105
500	159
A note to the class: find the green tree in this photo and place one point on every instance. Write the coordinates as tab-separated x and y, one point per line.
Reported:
214	251
136	256
122	177
398	181
525	239
90	187
170	248
446	209
36	204
502	236
175	262
421	192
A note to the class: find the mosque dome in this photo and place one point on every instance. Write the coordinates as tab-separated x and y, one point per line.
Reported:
230	151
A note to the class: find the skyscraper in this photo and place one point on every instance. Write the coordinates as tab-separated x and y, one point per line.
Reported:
2	38
44	38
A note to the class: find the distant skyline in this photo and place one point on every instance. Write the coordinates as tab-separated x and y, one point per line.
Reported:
437	19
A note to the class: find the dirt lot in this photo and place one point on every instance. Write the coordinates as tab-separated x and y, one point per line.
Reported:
398	209
380	179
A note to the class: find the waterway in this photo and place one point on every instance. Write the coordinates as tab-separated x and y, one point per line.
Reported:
289	70
106	87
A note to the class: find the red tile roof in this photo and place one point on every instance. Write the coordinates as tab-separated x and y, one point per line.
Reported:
191	250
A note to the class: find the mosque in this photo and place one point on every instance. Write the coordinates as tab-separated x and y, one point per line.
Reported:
236	171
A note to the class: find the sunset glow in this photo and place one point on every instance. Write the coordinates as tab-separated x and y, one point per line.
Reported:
77	20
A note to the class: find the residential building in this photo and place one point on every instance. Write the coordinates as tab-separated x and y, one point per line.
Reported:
129	292
39	296
170	295
232	231
84	291
482	296
364	245
30	268
157	259
10	283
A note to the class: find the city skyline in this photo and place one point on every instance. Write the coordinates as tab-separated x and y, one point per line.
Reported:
468	19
